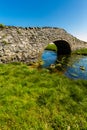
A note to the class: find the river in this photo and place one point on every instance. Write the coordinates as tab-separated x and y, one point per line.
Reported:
73	66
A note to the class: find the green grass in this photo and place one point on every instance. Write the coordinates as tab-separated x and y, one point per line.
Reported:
2	26
32	99
51	47
81	51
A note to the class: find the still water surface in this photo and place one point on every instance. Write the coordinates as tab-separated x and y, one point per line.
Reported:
49	57
76	66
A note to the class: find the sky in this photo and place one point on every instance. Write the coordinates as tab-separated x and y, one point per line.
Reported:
70	15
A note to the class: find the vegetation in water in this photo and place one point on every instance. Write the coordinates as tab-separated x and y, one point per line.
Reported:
51	47
81	51
32	99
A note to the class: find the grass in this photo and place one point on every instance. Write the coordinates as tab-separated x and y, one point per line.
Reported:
51	47
2	26
81	51
40	100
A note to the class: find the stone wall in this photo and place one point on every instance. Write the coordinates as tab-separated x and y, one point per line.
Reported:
27	44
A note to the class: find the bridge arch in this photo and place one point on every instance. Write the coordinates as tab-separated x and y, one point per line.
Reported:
63	47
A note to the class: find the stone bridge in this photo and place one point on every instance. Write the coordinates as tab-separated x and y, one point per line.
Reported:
27	44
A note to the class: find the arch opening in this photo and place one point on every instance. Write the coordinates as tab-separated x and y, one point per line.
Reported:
63	47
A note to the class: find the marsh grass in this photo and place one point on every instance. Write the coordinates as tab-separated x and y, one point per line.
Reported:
37	100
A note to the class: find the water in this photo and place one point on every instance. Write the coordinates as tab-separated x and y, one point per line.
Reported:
49	57
75	66
78	70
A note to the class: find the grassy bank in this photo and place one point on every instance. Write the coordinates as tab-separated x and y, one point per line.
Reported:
81	51
51	47
33	99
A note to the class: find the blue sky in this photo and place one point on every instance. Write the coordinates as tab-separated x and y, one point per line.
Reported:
68	14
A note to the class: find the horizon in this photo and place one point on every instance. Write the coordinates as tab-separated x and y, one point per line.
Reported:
69	15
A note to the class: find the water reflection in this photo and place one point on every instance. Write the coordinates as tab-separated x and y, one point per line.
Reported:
74	66
49	57
78	70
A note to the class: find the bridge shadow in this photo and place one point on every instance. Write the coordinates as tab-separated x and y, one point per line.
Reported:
63	47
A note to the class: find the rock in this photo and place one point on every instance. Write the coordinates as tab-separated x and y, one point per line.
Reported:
82	67
52	66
